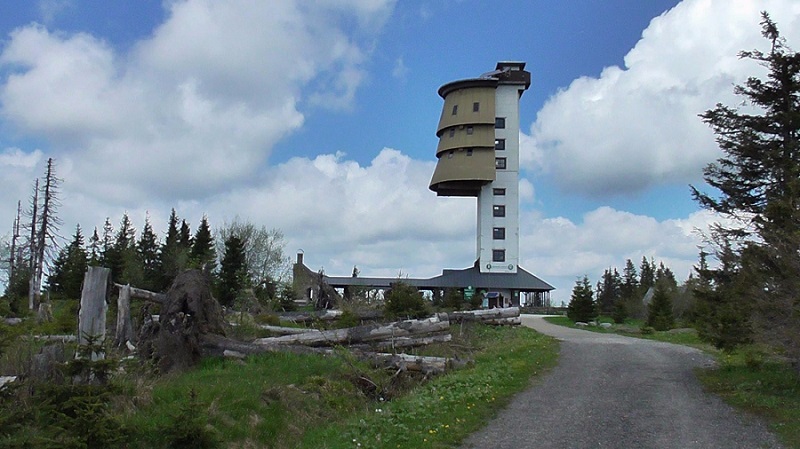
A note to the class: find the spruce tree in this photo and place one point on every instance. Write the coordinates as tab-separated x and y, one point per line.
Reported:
121	257
608	290
203	254
659	311
95	251
647	276
107	243
148	257
581	305
758	186
173	257
233	272
66	277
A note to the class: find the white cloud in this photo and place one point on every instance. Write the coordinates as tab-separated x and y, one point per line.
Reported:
194	107
637	126
561	251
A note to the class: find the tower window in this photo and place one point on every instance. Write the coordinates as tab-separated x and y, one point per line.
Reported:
499	122
498	255
499	144
499	233
499	192
452	132
500	163
469	130
455	109
476	107
499	211
469	151
450	154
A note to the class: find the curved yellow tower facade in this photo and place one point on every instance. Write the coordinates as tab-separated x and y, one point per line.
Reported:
478	156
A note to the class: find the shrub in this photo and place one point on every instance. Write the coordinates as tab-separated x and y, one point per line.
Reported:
188	429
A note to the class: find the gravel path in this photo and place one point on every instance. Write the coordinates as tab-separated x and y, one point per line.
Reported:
610	391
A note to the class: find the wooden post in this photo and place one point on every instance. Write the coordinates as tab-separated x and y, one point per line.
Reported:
124	326
92	317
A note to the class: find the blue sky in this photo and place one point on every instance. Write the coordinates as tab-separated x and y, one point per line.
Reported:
318	118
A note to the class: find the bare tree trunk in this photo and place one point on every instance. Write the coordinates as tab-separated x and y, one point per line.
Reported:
48	225
124	332
12	258
32	263
92	317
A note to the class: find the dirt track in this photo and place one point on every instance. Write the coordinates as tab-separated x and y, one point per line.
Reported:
610	391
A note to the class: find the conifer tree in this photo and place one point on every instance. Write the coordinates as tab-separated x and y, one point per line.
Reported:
659	312
69	268
233	271
758	185
148	257
121	257
173	257
95	250
203	254
581	305
107	242
609	290
647	276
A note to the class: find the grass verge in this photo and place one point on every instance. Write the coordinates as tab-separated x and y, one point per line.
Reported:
441	413
769	389
632	328
288	400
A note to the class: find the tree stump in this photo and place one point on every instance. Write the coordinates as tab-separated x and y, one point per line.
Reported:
189	312
92	316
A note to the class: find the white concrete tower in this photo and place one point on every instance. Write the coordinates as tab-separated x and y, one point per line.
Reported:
478	155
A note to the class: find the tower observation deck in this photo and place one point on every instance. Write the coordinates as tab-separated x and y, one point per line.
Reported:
478	156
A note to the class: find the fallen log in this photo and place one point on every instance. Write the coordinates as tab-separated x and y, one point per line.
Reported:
218	345
59	338
514	321
408	362
480	315
281	330
404	342
327	315
360	334
144	294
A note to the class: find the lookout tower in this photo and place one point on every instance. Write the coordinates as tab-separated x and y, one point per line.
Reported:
478	156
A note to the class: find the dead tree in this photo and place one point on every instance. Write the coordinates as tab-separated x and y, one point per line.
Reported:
32	250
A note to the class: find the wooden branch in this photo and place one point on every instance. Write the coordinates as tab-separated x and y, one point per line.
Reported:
360	334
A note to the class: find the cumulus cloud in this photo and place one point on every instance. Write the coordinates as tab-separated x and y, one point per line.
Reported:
195	106
380	216
637	126
561	251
